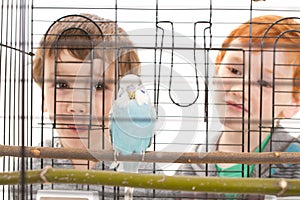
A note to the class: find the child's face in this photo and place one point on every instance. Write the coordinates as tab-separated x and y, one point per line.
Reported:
230	80
78	107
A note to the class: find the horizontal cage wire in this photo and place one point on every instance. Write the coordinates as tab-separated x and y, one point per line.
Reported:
149	99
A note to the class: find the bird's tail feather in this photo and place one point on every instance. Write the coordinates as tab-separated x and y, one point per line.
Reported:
133	168
128	193
129	167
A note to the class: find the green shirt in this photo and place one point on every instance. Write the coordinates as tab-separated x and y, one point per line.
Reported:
240	170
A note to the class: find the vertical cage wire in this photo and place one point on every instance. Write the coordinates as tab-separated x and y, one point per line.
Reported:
177	46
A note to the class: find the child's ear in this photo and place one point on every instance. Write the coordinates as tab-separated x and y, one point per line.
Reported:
292	110
216	73
130	62
44	107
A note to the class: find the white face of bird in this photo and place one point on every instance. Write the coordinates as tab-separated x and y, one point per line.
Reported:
130	84
131	91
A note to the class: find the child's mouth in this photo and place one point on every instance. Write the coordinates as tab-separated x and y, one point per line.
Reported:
236	106
83	128
79	129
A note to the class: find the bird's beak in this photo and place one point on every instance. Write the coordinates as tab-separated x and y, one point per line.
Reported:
131	94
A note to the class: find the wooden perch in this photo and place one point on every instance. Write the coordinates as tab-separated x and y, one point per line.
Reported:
271	186
166	157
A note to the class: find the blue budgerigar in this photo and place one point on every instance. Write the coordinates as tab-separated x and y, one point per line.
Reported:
132	123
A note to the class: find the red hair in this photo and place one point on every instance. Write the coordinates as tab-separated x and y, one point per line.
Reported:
259	26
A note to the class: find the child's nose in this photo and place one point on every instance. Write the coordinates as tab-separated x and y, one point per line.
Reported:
238	91
77	108
79	103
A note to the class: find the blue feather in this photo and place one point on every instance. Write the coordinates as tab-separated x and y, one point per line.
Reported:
132	123
132	127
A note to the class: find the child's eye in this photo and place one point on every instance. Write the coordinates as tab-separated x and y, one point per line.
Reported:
99	86
234	71
265	83
61	85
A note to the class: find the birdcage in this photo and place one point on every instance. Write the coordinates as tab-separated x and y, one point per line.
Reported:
221	77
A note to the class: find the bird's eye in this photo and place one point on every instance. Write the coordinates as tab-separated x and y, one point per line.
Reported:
61	84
